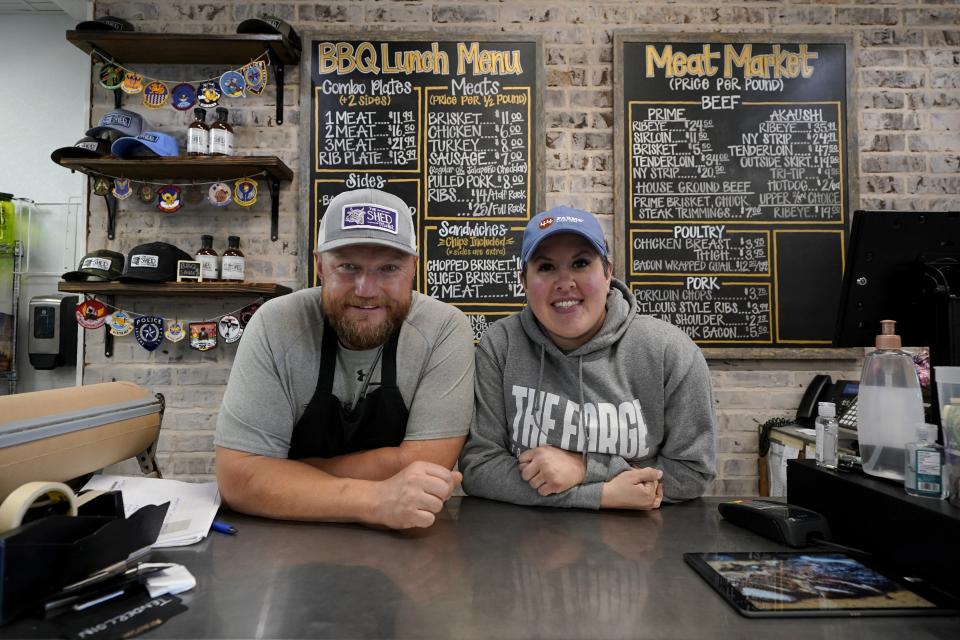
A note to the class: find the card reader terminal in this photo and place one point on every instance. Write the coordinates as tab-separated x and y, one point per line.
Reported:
777	520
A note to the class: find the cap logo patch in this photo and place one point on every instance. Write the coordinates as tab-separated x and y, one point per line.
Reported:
95	263
116	119
89	145
144	260
573	219
369	216
546	222
149	137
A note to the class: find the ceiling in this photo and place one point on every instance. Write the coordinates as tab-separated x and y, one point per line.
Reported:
75	8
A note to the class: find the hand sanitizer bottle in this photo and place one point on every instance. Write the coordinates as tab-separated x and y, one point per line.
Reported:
923	468
827	435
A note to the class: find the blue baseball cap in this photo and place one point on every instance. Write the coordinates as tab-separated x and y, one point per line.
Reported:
148	143
562	220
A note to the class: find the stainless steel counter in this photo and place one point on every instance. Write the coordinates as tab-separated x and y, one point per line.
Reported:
486	570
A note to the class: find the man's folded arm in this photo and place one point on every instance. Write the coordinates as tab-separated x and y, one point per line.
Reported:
380	464
292	490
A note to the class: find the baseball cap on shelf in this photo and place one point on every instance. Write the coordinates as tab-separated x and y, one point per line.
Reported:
562	220
87	147
367	216
105	23
147	144
271	24
101	265
122	121
153	262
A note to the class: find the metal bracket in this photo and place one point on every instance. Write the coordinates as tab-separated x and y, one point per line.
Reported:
107	336
147	459
278	76
111	201
117	98
274	208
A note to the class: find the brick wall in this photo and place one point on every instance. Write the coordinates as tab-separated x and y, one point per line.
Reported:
907	66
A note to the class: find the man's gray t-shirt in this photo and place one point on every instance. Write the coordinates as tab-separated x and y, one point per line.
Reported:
275	373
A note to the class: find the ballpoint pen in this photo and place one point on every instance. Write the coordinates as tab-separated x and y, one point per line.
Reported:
223	527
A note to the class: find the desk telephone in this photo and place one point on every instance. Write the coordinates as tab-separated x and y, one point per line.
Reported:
843	393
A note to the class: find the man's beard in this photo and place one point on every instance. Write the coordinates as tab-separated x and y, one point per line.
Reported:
364	334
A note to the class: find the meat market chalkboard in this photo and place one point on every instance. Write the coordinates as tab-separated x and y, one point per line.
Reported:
735	163
453	127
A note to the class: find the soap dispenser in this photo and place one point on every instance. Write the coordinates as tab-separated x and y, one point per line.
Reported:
889	406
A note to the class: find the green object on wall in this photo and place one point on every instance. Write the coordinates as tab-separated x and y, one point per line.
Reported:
7	224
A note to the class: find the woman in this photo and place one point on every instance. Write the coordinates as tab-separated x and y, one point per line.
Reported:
580	401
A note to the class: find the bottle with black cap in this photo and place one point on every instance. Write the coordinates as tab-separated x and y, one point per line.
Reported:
221	135
232	264
198	134
208	259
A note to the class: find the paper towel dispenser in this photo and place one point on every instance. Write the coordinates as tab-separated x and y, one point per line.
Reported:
52	340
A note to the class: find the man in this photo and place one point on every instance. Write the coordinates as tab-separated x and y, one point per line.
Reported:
372	437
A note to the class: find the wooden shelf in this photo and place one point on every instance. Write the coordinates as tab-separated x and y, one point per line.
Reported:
190	168
131	47
264	289
182	48
202	168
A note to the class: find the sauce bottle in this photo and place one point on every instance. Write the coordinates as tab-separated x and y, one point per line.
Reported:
221	135
232	264
198	134
207	257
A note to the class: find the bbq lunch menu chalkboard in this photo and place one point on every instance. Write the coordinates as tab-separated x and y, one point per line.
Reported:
453	127
734	182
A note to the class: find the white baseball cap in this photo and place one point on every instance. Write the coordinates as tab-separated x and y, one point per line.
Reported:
367	216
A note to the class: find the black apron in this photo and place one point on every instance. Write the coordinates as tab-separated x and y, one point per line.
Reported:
328	429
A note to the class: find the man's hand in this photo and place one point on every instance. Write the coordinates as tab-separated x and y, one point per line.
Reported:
633	489
412	497
551	470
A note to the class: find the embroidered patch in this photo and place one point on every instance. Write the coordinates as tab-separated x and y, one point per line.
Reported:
111	76
232	84
121	188
203	335
175	331
245	192
148	330
208	94
120	323
169	198
91	314
184	96
144	260
229	329
369	216
156	95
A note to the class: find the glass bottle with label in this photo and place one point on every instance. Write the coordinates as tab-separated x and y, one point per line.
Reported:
232	264
208	259
827	435
923	468
221	135
198	134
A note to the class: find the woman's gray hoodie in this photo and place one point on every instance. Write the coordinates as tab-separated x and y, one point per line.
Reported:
641	383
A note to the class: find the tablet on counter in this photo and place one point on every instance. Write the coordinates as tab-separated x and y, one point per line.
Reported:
799	584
